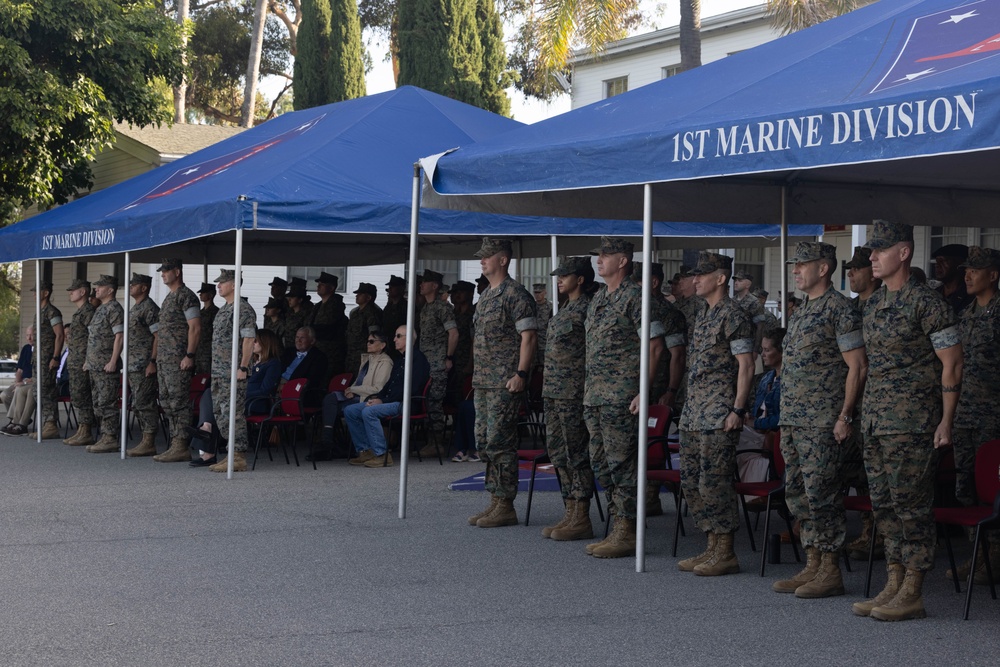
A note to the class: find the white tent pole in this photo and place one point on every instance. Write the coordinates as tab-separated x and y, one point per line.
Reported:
647	279
235	349
38	350
784	256
553	284
859	236
411	310
123	416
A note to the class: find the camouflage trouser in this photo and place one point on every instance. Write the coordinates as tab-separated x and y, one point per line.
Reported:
497	438
708	469
435	398
901	469
813	485
80	394
175	394
852	463
220	408
106	386
614	447
50	395
144	400
568	448
966	442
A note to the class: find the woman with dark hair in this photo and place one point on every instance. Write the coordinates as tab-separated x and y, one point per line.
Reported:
763	419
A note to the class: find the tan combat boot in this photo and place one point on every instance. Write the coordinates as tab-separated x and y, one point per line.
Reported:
653	505
239	463
503	514
981	577
894	580
567	515
908	603
107	444
828	580
489	508
83	436
688	564
49	430
723	560
858	548
803	577
146	446
620	543
179	450
579	526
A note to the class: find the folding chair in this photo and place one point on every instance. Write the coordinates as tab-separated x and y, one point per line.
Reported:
418	421
981	517
199	385
772	489
71	422
341	382
659	464
864	504
286	412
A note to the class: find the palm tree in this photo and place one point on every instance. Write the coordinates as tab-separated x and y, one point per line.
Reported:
789	16
561	23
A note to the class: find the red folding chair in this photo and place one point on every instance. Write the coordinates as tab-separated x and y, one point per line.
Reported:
659	465
286	413
981	517
418	422
341	382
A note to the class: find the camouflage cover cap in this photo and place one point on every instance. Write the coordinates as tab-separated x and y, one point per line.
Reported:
611	245
862	258
226	276
539	287
956	250
432	277
367	288
299	282
574	265
275	303
492	247
296	292
742	275
328	279
887	234
759	293
207	288
396	281
463	286
77	284
810	251
170	264
712	261
982	258
106	281
443	288
482	280
278	282
655	268
45	285
685	271
140	279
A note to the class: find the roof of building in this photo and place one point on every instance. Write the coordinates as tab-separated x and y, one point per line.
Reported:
177	140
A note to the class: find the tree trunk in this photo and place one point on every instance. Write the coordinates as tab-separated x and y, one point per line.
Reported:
253	64
690	34
180	91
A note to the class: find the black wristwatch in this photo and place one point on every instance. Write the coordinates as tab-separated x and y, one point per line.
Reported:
523	375
189	355
450	357
740	412
244	369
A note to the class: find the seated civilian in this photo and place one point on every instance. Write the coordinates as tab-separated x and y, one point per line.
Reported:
376	366
22	409
24	369
364	420
763	419
306	361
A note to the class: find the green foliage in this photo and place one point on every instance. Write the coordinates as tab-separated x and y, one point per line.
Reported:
790	16
495	77
313	52
10	315
439	48
345	68
68	70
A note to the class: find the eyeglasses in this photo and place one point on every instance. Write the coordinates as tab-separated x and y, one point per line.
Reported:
372	341
399	336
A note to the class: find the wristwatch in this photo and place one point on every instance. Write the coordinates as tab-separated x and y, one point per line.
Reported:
189	355
847	419
523	375
244	369
740	412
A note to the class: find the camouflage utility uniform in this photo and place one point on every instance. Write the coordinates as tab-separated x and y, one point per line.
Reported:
393	317
51	317
222	342
674	335
109	321
176	311
359	325
143	323
330	323
436	320
203	357
79	379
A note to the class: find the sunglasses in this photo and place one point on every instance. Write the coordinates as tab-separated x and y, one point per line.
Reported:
372	341
398	336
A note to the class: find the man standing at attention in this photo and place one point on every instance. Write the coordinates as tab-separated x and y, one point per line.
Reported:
360	323
438	339
143	324
394	313
720	373
178	344
104	358
328	320
823	371
79	379
503	347
914	380
611	391
465	310
544	308
51	338
203	356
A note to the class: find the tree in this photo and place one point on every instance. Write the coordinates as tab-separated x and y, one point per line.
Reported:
253	64
495	77
345	67
690	34
789	16
439	48
68	70
10	308
313	51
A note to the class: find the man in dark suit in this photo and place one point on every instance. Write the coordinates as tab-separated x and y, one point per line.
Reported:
306	361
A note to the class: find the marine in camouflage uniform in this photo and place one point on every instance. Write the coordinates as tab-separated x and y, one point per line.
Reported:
566	437
670	370
544	308
104	347
79	379
203	356
180	338
362	320
143	323
720	372
465	311
328	320
51	339
437	340
394	312
822	373
914	358
222	341
691	306
296	319
274	320
611	390
503	346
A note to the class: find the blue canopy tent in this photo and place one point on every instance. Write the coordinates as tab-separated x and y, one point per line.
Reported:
891	111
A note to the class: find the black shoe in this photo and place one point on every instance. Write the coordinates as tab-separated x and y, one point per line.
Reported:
201	463
198	433
320	455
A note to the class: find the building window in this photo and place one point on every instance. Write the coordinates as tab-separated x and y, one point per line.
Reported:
942	236
750	260
451	269
616	86
989	237
667	72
